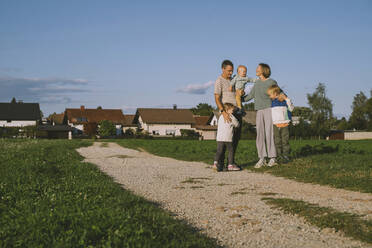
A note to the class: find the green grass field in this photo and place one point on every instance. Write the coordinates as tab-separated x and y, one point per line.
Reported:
50	198
351	225
341	164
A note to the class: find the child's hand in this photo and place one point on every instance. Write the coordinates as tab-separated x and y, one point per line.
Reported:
282	97
240	92
231	88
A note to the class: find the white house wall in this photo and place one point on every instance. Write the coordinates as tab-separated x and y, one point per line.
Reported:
214	121
77	126
162	128
143	125
17	123
118	130
357	135
208	134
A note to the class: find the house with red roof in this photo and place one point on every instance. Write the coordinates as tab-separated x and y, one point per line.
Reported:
82	119
204	128
129	123
158	121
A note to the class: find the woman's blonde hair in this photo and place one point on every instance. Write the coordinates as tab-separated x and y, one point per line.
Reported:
266	71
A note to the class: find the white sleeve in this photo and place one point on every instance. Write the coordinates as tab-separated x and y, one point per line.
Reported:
289	104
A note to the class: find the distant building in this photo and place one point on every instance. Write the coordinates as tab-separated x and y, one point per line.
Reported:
129	123
250	117
296	120
19	114
163	122
78	118
204	128
54	131
56	119
349	135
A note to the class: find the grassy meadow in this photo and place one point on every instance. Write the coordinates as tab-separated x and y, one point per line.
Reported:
341	164
50	198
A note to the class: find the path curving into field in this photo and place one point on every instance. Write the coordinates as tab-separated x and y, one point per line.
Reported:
228	206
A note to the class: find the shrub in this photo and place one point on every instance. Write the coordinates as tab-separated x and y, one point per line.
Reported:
106	128
129	132
189	133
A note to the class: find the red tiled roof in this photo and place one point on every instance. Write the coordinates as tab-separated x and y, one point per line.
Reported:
165	116
201	120
57	118
129	120
206	127
83	115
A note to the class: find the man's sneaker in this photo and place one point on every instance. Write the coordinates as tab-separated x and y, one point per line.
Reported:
260	163
272	162
233	167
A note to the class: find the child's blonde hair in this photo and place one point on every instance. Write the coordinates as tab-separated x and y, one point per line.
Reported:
273	89
227	106
241	66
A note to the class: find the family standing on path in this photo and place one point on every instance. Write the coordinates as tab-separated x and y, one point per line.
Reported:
272	120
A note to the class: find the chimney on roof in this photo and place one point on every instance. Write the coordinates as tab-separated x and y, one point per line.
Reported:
82	108
174	106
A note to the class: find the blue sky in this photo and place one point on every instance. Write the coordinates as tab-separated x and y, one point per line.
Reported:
128	54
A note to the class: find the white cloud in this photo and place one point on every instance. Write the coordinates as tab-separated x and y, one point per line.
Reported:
43	90
198	89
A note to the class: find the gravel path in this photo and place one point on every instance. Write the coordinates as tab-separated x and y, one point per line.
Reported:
228	206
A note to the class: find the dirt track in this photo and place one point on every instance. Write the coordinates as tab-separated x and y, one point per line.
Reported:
228	206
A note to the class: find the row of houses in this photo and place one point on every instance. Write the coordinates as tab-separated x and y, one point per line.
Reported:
153	121
78	121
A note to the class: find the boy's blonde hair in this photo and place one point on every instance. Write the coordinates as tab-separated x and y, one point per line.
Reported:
227	106
273	89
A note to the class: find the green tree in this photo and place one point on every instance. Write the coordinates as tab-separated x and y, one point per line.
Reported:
203	109
302	130
129	132
321	115
106	128
303	112
368	109
359	116
342	124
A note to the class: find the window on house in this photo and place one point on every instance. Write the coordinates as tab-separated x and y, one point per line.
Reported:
8	121
82	119
170	132
155	132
